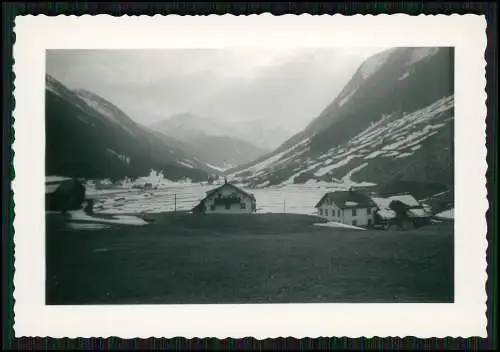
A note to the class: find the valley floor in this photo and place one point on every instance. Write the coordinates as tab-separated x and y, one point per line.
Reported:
263	258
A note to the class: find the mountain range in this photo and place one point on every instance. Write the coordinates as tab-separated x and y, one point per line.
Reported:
222	145
391	125
389	129
87	136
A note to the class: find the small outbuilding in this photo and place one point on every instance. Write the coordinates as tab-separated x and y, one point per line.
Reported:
64	194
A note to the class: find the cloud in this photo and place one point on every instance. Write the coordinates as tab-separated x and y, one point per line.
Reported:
280	87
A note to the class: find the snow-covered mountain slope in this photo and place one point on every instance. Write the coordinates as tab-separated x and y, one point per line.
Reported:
213	141
87	136
393	121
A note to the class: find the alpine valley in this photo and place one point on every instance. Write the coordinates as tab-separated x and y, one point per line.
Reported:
221	144
390	128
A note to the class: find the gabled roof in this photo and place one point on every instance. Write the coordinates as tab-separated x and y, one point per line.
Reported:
415	209
56	179
347	199
51	188
237	189
417	213
67	185
408	199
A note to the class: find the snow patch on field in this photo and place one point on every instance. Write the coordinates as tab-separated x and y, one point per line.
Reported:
338	225
79	215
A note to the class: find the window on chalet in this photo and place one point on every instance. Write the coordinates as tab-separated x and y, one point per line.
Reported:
354	212
228	206
320	211
212	207
243	206
338	213
369	211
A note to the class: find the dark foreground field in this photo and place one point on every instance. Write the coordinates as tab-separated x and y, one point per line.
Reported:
267	258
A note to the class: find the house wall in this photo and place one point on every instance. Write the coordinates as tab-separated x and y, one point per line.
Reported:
234	208
361	218
331	212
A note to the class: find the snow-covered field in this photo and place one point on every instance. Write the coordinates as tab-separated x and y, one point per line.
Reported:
298	199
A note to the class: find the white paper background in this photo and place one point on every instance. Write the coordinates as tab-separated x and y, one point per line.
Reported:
466	317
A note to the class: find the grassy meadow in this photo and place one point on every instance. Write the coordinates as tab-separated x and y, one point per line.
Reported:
265	258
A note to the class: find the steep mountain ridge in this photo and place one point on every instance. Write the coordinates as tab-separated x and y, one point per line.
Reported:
393	121
87	136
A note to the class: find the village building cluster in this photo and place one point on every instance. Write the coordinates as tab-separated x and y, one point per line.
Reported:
350	207
360	209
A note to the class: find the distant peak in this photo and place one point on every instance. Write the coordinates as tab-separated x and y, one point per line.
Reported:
184	116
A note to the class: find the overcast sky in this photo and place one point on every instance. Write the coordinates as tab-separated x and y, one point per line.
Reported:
281	87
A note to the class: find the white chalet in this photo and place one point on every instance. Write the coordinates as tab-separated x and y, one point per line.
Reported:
347	207
227	199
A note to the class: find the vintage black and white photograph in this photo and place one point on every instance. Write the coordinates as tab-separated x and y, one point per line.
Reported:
263	170
249	176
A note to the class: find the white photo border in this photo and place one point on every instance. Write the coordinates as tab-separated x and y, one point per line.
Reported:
466	317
